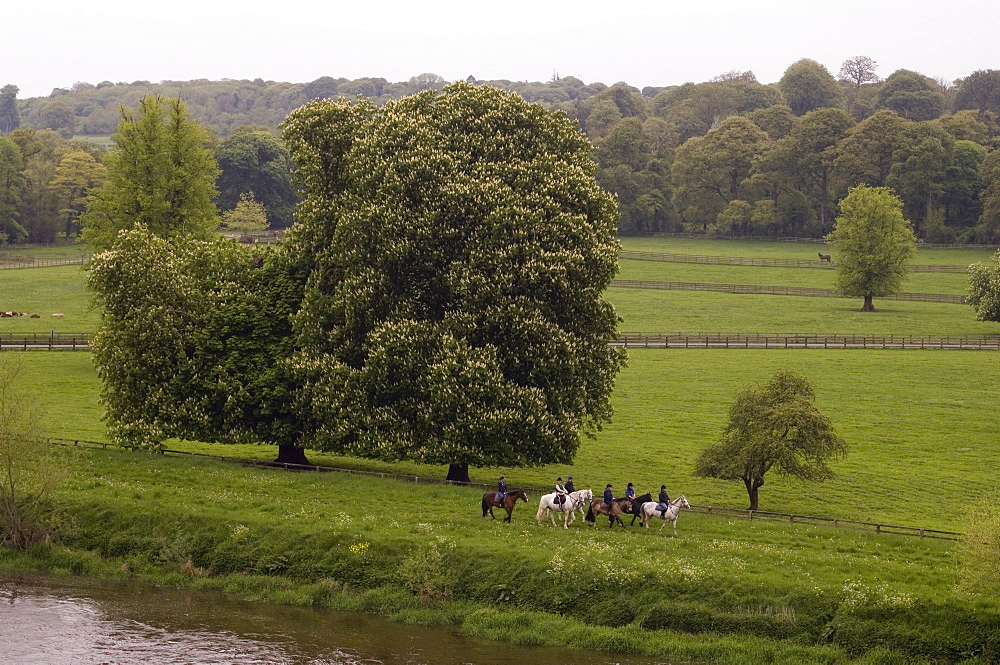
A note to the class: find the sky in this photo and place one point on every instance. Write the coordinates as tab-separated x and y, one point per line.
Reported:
56	43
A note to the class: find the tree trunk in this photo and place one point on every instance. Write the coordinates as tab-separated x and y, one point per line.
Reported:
868	306
288	454
752	487
458	473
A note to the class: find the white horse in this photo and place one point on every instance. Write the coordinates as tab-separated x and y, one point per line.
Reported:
575	501
649	510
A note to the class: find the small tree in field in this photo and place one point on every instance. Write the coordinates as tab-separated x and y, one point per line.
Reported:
984	289
773	426
248	216
872	244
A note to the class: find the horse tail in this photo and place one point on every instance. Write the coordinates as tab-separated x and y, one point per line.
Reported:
541	509
590	513
486	506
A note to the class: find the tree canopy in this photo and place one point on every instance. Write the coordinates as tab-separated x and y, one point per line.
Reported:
459	245
773	426
984	289
872	244
160	175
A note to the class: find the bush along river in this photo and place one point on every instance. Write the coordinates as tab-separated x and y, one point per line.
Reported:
45	619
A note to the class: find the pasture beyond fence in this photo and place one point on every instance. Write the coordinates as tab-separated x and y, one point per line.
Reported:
816	241
763	262
749	515
81	341
8	261
763	289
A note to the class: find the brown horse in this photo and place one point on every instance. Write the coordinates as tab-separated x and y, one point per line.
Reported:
824	257
618	506
509	500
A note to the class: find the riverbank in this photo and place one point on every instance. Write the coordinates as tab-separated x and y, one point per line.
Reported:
723	590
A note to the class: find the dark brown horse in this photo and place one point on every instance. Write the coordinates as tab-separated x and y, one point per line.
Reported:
634	508
618	506
824	257
509	500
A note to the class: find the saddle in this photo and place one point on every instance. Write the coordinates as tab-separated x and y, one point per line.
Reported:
560	499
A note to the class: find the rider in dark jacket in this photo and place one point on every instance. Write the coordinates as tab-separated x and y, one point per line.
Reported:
664	500
609	497
569	484
501	489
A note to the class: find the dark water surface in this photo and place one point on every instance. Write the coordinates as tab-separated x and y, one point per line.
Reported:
79	620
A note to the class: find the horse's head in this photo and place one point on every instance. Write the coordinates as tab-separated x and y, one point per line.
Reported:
683	502
522	495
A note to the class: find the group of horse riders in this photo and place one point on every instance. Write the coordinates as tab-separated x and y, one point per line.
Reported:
564	490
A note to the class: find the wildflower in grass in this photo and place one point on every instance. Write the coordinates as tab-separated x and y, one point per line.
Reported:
359	549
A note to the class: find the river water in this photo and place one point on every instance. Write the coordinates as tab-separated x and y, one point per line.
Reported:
55	620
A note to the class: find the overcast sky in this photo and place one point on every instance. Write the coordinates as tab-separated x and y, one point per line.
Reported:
46	44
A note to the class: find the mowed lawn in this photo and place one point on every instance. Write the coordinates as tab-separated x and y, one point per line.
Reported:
920	425
46	291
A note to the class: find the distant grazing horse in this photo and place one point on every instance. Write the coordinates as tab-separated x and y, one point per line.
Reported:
575	501
824	257
614	513
509	500
635	506
650	510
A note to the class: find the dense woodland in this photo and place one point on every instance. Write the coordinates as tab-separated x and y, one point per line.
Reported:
729	156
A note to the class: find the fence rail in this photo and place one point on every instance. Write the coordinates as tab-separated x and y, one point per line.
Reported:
816	241
750	515
8	261
764	262
81	341
804	341
45	341
763	289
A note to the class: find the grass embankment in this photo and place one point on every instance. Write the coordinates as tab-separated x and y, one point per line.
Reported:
723	590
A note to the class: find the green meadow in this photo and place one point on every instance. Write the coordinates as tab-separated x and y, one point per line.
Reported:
923	449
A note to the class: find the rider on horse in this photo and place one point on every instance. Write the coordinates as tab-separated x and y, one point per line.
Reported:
501	490
629	493
664	500
609	497
569	485
561	492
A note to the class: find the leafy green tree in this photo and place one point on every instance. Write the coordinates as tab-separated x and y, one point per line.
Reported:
10	119
56	114
865	155
38	210
773	426
713	170
984	289
11	184
77	174
258	162
920	162
807	154
161	176
631	170
987	230
872	244
248	216
960	190
980	91
195	341
911	95
459	246
808	85
776	120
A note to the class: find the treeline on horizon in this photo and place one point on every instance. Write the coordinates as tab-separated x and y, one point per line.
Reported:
726	156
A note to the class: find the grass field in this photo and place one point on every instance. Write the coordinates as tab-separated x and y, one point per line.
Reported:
46	291
918	425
